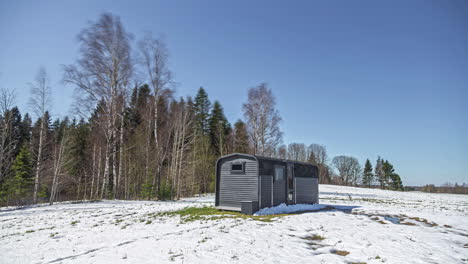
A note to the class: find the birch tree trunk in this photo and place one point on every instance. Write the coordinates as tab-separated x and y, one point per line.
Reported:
121	149
57	170
39	161
91	193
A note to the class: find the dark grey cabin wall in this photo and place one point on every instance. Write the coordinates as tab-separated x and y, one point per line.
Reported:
279	192
267	168
235	188
306	190
266	196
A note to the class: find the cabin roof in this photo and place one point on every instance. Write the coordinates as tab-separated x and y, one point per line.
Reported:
258	158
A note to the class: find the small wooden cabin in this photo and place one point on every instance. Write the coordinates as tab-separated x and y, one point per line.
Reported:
247	183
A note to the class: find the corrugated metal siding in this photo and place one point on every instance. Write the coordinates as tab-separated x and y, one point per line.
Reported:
279	192
235	188
266	198
306	190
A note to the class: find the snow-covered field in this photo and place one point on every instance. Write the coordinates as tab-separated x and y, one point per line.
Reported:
353	225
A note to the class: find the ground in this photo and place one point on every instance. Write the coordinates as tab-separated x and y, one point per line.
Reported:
353	225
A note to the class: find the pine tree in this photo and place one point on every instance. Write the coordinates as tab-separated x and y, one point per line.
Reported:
379	173
392	179
17	187
367	175
25	130
202	108
388	171
219	129
241	138
77	153
397	184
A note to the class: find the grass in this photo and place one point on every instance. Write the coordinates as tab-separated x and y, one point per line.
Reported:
340	252
425	221
190	214
314	237
408	223
30	231
74	222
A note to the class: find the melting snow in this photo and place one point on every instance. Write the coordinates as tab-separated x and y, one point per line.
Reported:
369	225
287	209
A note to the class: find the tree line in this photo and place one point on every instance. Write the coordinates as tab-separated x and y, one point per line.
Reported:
444	188
343	170
130	137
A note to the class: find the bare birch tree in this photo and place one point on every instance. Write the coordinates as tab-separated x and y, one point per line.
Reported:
40	102
297	151
59	162
154	58
262	120
103	73
348	168
7	140
317	154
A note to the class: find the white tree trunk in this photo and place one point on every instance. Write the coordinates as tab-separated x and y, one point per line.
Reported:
39	160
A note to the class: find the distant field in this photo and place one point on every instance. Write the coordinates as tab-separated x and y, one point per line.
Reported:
371	226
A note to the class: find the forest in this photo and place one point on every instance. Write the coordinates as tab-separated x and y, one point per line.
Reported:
129	136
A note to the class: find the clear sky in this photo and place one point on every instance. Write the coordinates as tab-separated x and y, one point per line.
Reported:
364	78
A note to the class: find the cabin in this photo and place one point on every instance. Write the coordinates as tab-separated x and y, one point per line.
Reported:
247	183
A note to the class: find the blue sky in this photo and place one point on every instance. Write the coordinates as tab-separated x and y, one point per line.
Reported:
364	78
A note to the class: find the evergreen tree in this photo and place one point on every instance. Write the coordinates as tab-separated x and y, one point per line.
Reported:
397	184
379	173
241	138
16	187
202	108
388	171
219	129
138	102
10	128
367	175
25	130
392	179
77	152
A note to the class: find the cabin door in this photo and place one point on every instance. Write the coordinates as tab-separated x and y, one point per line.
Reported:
290	183
279	185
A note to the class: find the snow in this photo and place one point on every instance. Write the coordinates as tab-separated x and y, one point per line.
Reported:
285	209
374	226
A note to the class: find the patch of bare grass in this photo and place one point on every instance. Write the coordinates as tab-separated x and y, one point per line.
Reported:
340	252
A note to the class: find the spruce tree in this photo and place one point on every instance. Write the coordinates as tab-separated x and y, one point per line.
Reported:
78	150
241	138
397	184
219	129
367	175
17	187
202	108
25	130
388	171
379	173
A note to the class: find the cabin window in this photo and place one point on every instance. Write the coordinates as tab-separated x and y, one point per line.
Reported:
304	171
279	173
238	168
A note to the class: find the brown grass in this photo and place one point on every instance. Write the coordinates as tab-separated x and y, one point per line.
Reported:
314	237
340	252
408	223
